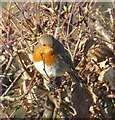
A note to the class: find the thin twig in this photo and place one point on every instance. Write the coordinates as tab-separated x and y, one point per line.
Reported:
77	45
9	64
11	85
58	24
8	98
29	28
68	27
44	65
7	115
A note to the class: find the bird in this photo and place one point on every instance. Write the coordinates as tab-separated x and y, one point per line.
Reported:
51	58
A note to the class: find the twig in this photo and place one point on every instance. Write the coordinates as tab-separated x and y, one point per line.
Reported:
105	40
98	104
4	62
7	49
8	98
11	85
9	63
8	43
27	71
69	108
77	45
68	28
22	36
111	18
70	20
58	25
15	109
2	106
29	28
99	29
44	65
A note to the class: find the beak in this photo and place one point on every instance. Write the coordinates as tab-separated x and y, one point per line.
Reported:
49	50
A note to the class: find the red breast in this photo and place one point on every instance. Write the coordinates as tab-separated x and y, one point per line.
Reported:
45	53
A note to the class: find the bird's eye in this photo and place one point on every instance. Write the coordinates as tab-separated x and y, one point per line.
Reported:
44	45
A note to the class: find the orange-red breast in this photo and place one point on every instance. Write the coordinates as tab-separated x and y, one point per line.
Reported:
51	59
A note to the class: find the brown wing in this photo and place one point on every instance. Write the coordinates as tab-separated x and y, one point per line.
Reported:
63	54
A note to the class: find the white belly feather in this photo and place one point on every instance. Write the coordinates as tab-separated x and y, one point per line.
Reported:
51	71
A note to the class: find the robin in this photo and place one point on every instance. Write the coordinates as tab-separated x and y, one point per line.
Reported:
51	59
